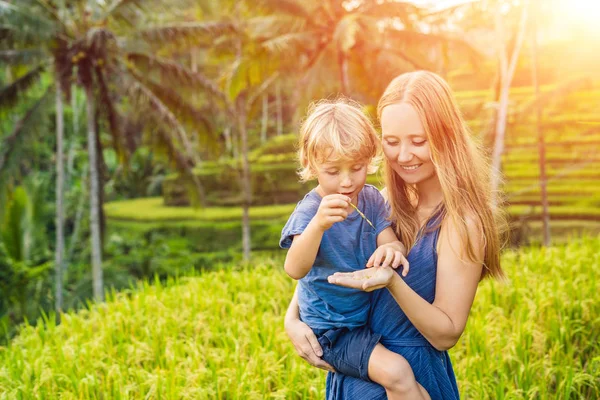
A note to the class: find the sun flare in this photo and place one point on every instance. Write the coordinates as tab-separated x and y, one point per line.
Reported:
582	14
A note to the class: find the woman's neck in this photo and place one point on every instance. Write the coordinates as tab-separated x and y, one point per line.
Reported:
430	193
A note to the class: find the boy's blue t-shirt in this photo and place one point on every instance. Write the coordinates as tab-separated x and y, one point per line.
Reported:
345	247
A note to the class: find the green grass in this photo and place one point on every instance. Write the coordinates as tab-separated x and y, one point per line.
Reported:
220	336
153	209
157	214
562	212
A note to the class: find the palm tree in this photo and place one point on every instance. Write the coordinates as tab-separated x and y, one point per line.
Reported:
39	53
362	43
101	44
236	72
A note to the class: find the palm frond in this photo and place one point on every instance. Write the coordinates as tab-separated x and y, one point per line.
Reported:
12	145
186	33
183	110
288	42
51	12
404	11
11	94
118	5
407	40
262	88
21	56
293	8
445	12
183	166
268	26
134	12
112	115
126	12
173	72
24	20
405	55
145	99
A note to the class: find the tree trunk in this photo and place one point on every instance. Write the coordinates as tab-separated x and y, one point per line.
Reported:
102	171
228	144
78	217
343	65
246	188
279	108
60	186
541	144
74	136
94	204
265	118
506	74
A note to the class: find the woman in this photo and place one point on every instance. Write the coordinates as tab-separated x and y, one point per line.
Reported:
437	186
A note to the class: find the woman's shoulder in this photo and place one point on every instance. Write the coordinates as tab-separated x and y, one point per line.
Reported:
463	232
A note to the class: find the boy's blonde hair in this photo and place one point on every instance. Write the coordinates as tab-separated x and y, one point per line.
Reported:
335	131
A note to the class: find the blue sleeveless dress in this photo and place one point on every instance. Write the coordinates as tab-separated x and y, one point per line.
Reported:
432	368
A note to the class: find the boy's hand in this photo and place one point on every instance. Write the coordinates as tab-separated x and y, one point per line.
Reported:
387	255
331	210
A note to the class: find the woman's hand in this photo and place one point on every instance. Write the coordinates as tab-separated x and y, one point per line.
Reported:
306	343
389	254
366	279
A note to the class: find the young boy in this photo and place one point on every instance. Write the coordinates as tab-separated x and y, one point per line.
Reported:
326	234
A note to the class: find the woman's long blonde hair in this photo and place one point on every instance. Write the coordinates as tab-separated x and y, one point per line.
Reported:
460	165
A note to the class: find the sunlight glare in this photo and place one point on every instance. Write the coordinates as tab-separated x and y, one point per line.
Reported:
584	14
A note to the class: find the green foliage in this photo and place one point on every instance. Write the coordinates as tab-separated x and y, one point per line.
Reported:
152	209
536	336
277	145
220	335
25	260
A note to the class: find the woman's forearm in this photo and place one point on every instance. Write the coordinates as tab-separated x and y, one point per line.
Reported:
433	323
293	312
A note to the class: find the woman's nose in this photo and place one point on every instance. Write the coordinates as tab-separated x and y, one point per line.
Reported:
404	154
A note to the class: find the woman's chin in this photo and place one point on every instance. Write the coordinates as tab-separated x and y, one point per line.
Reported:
409	177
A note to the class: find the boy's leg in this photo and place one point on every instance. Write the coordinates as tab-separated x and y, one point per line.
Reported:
395	374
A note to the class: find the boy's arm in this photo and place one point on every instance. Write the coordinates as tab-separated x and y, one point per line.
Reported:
388	236
390	251
303	251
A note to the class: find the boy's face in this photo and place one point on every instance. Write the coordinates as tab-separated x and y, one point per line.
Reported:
343	177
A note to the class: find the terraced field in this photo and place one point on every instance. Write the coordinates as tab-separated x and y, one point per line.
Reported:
571	129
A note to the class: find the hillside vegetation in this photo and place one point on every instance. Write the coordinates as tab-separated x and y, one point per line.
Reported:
220	335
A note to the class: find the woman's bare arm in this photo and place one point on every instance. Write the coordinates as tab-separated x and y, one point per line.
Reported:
443	322
304	340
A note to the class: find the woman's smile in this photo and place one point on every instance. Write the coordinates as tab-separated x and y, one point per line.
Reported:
410	167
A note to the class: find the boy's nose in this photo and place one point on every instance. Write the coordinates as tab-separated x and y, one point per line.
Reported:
346	181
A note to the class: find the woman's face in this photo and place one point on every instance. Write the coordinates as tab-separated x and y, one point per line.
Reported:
405	143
